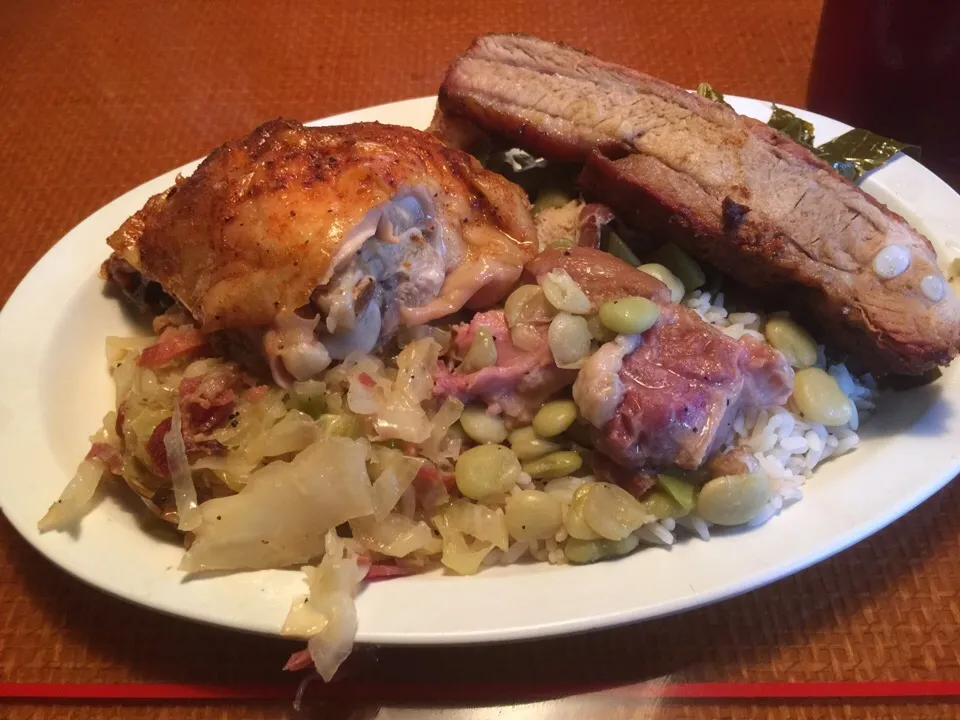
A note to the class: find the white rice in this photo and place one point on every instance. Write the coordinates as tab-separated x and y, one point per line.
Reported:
655	534
787	447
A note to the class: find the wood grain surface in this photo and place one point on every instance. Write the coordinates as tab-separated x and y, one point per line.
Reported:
98	97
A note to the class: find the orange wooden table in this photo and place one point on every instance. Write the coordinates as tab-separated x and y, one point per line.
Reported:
101	96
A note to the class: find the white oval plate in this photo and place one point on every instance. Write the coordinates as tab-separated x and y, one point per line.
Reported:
55	388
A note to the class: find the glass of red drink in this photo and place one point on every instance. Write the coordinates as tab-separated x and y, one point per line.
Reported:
893	67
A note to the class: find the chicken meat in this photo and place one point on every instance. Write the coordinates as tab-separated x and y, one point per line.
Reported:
313	242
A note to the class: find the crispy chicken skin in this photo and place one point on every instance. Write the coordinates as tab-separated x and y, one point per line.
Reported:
266	220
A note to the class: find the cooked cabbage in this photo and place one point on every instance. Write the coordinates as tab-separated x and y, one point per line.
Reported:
396	472
328	615
281	516
458	555
401	414
73	501
184	491
441	445
295	431
478	521
395	535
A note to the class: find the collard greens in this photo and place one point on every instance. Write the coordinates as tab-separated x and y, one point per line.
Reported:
852	154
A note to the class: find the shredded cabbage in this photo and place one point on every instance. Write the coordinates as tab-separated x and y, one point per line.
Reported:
295	431
184	491
364	399
124	376
401	414
73	501
119	349
441	446
396	474
457	554
395	535
279	470
478	521
328	615
281	516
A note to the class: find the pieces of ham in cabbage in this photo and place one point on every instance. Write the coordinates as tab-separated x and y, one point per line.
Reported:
327	616
397	407
76	496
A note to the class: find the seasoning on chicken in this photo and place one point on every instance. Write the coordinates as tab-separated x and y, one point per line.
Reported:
319	241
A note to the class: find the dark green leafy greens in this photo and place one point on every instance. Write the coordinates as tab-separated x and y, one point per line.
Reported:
792	126
852	154
709	93
859	151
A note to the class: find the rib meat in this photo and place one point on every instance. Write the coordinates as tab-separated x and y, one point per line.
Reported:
728	189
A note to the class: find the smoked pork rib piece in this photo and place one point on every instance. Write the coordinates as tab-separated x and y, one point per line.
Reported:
670	395
728	189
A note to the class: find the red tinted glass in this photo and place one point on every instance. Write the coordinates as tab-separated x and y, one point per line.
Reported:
893	66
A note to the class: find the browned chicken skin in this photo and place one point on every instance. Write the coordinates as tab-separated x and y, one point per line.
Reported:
331	233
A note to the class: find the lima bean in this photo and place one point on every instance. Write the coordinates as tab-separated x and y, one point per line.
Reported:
527	304
482	352
563	293
581	552
528	445
555	465
629	315
554	418
677	291
486	470
526	337
533	515
661	505
820	399
734	499
569	339
482	427
517	300
599	331
612	512
574	520
793	341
